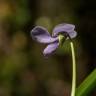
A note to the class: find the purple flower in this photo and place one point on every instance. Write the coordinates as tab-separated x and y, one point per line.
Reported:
41	35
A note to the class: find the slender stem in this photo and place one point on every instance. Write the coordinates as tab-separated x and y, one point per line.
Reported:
61	40
73	70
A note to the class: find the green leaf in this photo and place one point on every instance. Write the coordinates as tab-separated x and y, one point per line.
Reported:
87	85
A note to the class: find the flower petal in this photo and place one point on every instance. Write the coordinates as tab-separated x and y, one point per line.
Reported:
62	28
50	49
73	34
41	35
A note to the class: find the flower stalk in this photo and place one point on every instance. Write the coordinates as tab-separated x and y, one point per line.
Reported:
73	91
61	41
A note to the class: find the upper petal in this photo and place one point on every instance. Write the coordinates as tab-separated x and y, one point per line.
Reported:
41	35
61	28
50	49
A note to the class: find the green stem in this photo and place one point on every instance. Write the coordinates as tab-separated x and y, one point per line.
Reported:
61	41
73	70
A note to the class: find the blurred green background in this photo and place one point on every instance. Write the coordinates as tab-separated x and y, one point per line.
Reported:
23	69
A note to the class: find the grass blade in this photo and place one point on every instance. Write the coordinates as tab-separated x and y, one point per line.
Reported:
87	85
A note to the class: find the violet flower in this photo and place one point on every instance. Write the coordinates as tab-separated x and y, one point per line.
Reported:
61	31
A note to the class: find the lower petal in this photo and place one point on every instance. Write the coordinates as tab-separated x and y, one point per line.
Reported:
50	49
